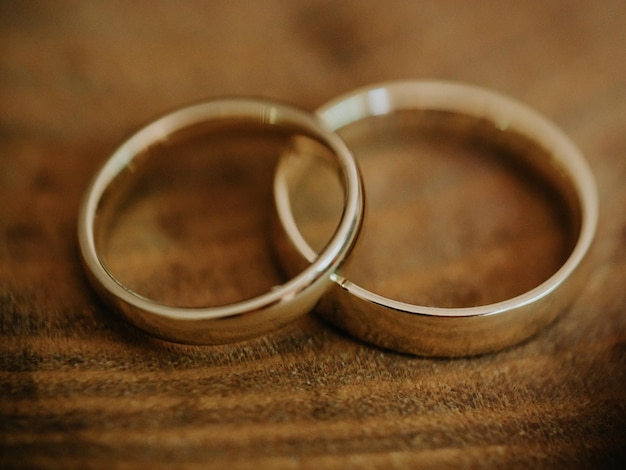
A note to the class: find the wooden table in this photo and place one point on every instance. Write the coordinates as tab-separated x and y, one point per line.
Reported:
80	388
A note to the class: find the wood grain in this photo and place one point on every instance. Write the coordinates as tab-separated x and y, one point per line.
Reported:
80	388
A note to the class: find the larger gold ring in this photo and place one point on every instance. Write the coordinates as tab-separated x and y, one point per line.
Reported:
427	330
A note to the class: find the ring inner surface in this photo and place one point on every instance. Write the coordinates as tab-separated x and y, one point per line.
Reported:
458	212
188	223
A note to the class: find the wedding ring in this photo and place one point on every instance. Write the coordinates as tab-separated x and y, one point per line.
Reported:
475	329
243	319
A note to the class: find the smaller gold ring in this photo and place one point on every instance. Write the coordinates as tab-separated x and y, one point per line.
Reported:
248	318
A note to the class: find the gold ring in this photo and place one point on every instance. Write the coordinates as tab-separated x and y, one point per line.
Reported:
431	330
244	319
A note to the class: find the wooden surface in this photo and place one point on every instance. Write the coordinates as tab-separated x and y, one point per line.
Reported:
79	388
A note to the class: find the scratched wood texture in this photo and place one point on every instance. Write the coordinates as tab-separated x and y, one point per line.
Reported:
79	388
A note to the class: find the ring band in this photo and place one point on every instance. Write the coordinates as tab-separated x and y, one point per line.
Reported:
248	318
434	331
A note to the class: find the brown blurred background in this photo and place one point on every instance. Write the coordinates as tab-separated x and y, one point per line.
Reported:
80	388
